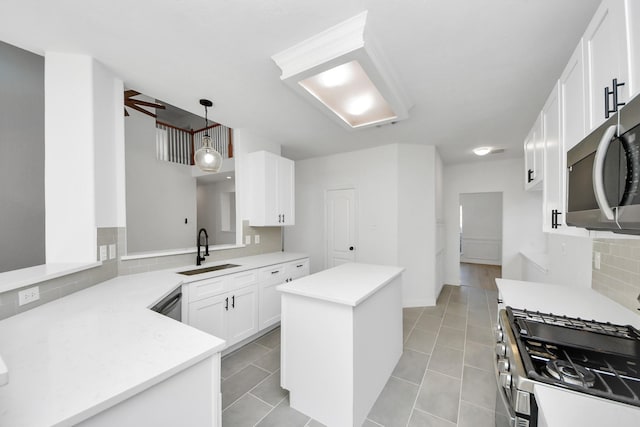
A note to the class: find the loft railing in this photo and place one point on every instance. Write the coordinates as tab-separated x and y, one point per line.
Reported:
177	145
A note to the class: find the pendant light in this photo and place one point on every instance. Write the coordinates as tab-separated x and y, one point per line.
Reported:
206	157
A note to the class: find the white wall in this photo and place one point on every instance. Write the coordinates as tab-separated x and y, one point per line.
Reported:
69	158
395	211
522	219
160	194
481	228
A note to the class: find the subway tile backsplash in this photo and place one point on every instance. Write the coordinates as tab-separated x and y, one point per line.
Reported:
619	274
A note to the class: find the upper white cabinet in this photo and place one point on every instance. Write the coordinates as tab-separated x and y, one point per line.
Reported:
573	100
553	155
534	157
632	8
606	56
272	181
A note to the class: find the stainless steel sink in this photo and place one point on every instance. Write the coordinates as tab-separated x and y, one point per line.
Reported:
207	269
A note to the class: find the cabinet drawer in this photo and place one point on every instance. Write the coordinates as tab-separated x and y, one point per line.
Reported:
297	269
239	280
272	272
206	288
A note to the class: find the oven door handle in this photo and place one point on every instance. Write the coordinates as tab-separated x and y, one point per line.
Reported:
510	413
598	172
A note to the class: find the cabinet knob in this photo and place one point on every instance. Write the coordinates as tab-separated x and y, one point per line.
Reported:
351	248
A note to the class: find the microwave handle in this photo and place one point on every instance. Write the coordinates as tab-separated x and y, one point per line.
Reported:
598	172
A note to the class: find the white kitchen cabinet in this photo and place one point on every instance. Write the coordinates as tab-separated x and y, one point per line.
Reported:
573	101
552	206
632	9
242	314
271	190
270	304
209	315
606	55
534	157
270	278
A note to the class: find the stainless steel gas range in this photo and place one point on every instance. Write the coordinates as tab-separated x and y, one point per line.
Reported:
598	359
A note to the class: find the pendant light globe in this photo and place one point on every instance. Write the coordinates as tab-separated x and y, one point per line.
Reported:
206	157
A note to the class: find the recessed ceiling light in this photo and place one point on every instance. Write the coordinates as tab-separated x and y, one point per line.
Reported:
481	151
335	76
228	177
359	105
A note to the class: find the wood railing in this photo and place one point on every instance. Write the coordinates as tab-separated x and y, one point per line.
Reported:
174	144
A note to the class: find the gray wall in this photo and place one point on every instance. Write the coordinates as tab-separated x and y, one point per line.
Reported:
160	195
210	211
22	221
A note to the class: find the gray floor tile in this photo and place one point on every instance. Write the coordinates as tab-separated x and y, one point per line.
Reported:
458	297
450	337
479	387
454	321
411	366
474	416
429	323
314	423
239	359
269	390
479	356
408	324
437	311
440	396
457	308
369	423
421	341
284	416
270	361
446	361
394	404
480	321
270	340
246	412
240	383
422	419
412	312
480	335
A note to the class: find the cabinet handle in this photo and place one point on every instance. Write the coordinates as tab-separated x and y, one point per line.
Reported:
283	218
233	301
614	94
226	303
530	175
279	219
299	265
554	219
275	272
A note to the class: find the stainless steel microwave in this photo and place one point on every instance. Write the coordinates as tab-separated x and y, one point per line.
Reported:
603	175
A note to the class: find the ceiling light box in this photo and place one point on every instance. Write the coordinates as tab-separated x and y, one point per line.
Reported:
343	73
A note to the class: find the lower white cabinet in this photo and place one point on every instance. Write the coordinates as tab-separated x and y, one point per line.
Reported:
236	306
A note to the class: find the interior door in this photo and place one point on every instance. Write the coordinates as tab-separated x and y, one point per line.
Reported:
340	226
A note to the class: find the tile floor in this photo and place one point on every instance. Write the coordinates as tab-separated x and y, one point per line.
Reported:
443	379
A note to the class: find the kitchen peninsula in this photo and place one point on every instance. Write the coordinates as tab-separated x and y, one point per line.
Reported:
341	339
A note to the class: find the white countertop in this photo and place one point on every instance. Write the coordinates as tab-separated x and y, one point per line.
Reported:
15	279
347	284
76	356
559	407
565	300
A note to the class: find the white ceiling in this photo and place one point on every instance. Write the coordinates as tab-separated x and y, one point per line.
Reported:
477	72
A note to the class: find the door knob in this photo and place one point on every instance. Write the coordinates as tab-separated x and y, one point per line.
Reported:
351	248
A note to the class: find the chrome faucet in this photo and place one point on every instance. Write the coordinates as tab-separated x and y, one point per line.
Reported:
199	258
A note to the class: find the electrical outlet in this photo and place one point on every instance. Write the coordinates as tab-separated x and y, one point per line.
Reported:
256	239
596	260
28	295
247	240
103	252
112	251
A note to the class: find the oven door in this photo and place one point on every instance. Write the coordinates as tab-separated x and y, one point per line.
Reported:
505	417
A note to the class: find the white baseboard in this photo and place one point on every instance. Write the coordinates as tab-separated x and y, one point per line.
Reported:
422	302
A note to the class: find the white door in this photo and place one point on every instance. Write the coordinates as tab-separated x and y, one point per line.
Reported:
340	226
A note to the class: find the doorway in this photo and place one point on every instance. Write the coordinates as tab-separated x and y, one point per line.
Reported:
340	226
480	239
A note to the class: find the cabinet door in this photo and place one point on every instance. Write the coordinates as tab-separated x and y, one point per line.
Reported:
633	21
573	100
270	301
606	58
286	193
242	316
553	153
210	315
534	152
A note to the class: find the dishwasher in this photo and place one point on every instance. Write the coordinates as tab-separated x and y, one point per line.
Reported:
170	305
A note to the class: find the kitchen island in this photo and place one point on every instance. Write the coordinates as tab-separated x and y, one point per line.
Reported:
341	339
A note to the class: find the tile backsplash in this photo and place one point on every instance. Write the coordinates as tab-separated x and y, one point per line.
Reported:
619	274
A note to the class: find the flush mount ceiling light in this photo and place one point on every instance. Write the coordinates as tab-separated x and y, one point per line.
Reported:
207	158
343	73
481	151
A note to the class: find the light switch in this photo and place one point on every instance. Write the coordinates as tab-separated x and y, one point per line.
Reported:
247	240
256	239
103	252
112	251
596	260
